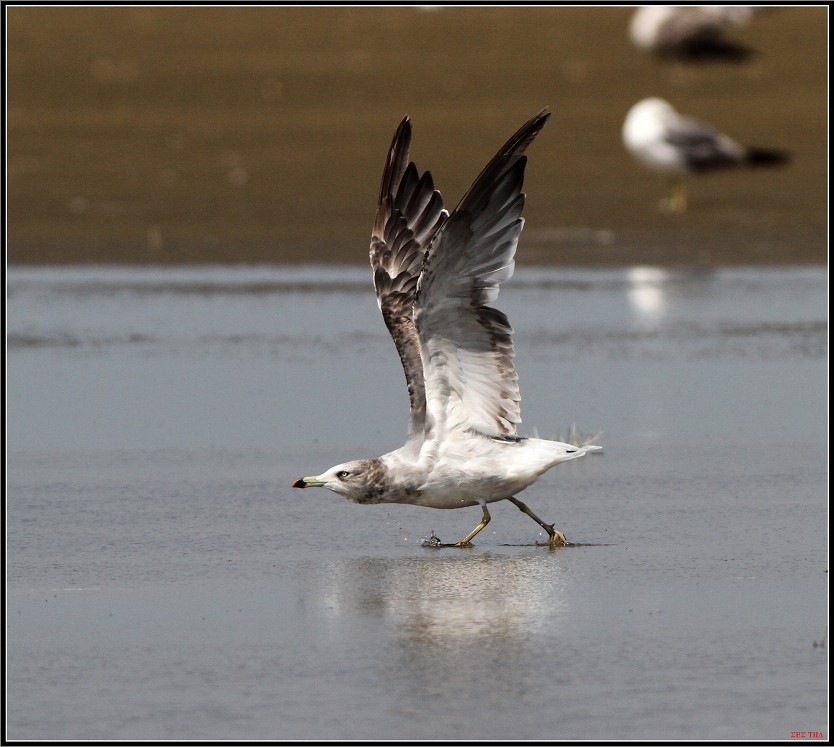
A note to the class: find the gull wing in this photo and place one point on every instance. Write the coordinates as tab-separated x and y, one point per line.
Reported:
702	145
467	348
700	32
409	212
684	27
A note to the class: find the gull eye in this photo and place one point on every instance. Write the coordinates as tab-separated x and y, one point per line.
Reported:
343	474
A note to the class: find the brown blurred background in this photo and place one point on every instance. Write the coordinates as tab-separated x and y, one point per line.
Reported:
258	134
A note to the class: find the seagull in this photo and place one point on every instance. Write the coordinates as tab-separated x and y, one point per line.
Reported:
436	275
690	32
663	140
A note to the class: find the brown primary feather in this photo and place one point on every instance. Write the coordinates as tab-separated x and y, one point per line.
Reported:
409	212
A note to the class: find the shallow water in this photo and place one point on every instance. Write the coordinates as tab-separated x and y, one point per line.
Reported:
164	581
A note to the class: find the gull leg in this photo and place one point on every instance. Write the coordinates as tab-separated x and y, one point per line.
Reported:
557	539
679	197
677	202
465	542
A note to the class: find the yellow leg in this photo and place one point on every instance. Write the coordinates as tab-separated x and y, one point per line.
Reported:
677	202
679	197
465	542
557	539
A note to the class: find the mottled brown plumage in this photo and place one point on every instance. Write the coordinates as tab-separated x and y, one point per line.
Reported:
409	212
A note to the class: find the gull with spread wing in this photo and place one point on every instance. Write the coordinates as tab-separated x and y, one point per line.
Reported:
435	275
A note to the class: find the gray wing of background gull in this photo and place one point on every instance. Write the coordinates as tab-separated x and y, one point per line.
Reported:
704	148
690	32
466	345
409	212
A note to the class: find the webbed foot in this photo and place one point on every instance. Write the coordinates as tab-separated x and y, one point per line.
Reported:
557	539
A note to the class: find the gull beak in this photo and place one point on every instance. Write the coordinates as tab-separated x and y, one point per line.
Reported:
308	482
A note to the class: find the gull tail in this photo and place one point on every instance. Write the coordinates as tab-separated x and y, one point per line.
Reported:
713	49
588	447
586	442
565	452
765	157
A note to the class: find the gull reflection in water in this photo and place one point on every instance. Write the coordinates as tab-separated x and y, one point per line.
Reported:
655	294
441	601
456	639
647	293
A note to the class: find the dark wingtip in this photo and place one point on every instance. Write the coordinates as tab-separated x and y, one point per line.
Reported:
299	484
767	157
712	50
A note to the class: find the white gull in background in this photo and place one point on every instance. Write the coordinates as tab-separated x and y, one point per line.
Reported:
690	31
663	140
436	275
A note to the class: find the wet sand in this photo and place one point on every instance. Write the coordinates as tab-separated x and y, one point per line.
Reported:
171	135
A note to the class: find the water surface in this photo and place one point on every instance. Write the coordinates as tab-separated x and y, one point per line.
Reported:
165	582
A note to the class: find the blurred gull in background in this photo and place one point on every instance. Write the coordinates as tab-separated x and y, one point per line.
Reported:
691	32
662	139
